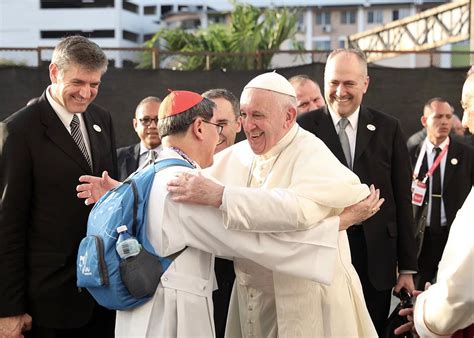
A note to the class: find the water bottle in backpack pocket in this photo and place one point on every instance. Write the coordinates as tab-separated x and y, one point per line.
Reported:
116	262
140	271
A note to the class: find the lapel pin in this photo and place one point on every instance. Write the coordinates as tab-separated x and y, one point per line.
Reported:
454	161
371	127
97	128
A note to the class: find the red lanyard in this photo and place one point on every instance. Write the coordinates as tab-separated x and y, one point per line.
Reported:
433	167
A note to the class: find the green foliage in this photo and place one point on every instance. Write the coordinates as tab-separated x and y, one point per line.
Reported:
251	31
8	63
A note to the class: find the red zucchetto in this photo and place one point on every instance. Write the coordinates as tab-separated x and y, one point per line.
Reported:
177	102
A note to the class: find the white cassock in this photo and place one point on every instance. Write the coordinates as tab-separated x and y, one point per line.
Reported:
182	304
303	183
448	305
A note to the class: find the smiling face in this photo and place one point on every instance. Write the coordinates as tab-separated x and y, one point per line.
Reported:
308	96
266	118
224	115
345	83
148	134
74	87
437	121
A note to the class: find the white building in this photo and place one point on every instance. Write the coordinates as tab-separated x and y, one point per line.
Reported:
324	24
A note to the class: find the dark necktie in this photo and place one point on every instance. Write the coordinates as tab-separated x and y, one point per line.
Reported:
78	138
435	219
346	148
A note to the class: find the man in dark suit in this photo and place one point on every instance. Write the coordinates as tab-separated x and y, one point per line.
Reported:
44	148
145	122
453	177
371	144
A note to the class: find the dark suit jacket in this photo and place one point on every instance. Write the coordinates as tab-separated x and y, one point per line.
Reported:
381	158
41	219
127	159
458	177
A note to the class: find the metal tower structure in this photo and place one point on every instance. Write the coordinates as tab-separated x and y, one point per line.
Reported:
445	24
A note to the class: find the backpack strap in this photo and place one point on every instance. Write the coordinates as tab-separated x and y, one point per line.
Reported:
166	163
171	162
158	166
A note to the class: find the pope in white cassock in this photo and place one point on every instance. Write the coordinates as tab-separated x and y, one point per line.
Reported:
182	304
301	183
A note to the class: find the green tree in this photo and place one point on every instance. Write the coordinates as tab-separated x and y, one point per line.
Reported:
251	30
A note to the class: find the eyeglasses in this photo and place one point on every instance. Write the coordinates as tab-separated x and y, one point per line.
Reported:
146	121
219	127
226	123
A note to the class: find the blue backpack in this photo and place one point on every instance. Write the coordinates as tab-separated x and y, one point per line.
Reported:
99	267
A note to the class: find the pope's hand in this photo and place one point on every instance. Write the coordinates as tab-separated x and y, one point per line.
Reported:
361	211
197	189
93	187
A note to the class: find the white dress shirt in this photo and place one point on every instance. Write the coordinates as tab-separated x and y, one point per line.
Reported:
144	153
430	152
66	119
351	129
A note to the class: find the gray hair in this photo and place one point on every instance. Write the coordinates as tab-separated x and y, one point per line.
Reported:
147	100
80	51
179	124
221	93
357	52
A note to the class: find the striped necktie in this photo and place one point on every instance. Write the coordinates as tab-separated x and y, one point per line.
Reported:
152	156
79	139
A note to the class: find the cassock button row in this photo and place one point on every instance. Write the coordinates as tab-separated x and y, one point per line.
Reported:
250	308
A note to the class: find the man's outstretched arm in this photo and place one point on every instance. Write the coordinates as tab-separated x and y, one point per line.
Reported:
93	187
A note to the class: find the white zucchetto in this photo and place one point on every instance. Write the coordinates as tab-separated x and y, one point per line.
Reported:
272	81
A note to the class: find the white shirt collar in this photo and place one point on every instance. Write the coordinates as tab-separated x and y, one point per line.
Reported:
430	146
144	149
63	114
353	118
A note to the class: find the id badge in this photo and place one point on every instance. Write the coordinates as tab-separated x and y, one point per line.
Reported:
418	193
